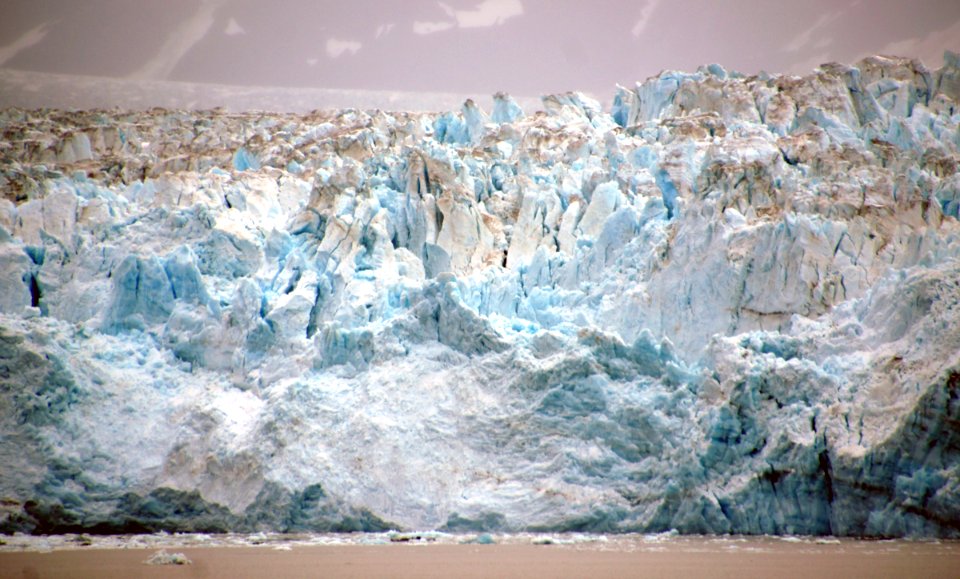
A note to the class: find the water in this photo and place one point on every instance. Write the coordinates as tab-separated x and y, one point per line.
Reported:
628	542
433	554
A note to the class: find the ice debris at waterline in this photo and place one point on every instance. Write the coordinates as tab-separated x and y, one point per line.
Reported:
161	557
730	305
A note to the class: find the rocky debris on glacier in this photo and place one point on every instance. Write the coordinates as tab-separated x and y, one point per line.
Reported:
730	305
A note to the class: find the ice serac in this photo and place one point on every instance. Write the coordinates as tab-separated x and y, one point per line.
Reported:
730	305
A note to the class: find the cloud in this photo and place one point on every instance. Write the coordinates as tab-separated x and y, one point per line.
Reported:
485	14
489	13
337	48
430	27
384	29
451	13
180	41
929	48
645	14
803	39
233	28
25	41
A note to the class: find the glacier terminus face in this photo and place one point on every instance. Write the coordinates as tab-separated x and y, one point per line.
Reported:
731	304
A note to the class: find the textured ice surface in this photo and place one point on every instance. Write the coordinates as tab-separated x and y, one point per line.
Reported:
732	305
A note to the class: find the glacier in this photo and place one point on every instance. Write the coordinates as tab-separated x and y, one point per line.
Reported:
729	304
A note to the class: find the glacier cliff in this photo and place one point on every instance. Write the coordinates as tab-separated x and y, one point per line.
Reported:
729	305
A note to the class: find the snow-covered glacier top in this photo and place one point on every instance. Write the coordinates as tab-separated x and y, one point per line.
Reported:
728	305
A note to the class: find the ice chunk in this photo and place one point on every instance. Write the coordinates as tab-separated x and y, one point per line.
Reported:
142	294
244	160
505	109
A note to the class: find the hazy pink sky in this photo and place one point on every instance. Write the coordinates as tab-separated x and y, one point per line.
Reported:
526	47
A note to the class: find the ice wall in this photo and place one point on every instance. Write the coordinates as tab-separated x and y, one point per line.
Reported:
728	306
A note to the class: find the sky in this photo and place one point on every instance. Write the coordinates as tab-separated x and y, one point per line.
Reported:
525	47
